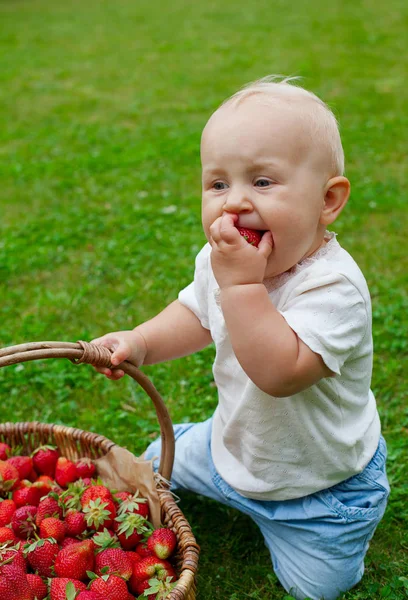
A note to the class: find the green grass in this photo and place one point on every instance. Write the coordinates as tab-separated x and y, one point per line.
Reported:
101	110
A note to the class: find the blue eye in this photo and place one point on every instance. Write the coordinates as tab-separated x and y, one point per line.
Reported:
263	182
220	185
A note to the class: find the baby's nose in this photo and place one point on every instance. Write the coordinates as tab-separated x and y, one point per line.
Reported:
237	203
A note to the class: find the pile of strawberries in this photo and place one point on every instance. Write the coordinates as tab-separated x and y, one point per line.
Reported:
66	536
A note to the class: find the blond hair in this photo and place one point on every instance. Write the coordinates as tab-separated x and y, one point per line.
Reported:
318	117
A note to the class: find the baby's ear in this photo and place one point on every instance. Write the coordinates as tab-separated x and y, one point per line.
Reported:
335	198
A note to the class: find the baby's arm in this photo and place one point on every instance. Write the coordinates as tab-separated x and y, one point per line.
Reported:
268	350
173	333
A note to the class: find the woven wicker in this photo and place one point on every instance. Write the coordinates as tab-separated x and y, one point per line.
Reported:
75	443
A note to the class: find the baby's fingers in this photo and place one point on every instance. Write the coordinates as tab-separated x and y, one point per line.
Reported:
113	374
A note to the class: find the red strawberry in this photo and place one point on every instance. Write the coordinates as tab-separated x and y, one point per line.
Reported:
45	460
9	476
89	595
7	510
162	542
23	521
65	472
85	468
68	541
45	484
135	504
252	236
75	560
7	536
52	528
121	496
13	555
129	528
133	557
48	507
59	585
152	567
13	583
26	493
113	561
37	586
100	514
143	550
41	556
23	464
139	588
32	476
75	523
93	493
111	587
5	451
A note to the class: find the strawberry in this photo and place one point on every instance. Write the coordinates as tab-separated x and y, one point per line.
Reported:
45	484
13	555
41	556
100	514
121	496
93	493
7	536
85	468
32	476
7	510
162	542
9	476
26	493
89	595
23	521
135	504
5	451
133	557
143	550
23	464
65	471
37	586
75	560
61	587
68	541
110	586
45	460
48	507
113	561
252	236
75	523
13	583
129	528
152	567
52	528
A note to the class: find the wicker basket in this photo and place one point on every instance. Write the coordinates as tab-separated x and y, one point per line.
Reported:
75	443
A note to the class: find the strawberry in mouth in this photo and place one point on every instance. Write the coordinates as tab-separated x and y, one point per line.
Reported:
252	236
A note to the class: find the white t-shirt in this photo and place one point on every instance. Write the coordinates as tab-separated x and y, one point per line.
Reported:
271	448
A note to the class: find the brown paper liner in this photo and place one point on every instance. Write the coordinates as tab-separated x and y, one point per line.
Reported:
121	470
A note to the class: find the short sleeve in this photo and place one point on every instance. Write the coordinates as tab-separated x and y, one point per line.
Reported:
195	295
329	315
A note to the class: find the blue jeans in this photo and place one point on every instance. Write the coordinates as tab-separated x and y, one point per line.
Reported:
317	543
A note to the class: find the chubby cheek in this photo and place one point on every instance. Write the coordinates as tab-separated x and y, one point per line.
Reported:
209	213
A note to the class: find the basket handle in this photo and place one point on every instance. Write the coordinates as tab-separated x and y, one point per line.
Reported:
92	354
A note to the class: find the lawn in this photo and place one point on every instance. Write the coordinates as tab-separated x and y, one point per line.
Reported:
101	109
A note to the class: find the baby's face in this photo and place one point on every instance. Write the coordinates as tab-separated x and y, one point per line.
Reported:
258	161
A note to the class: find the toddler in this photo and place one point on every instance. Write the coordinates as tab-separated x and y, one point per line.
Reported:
295	440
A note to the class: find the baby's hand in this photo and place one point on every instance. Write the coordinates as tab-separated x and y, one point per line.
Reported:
126	345
233	259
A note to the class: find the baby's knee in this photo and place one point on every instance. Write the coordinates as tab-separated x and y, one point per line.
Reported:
320	585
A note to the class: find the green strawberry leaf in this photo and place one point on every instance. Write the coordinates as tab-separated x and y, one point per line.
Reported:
70	591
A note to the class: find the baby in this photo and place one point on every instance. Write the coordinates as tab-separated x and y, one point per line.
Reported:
295	440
